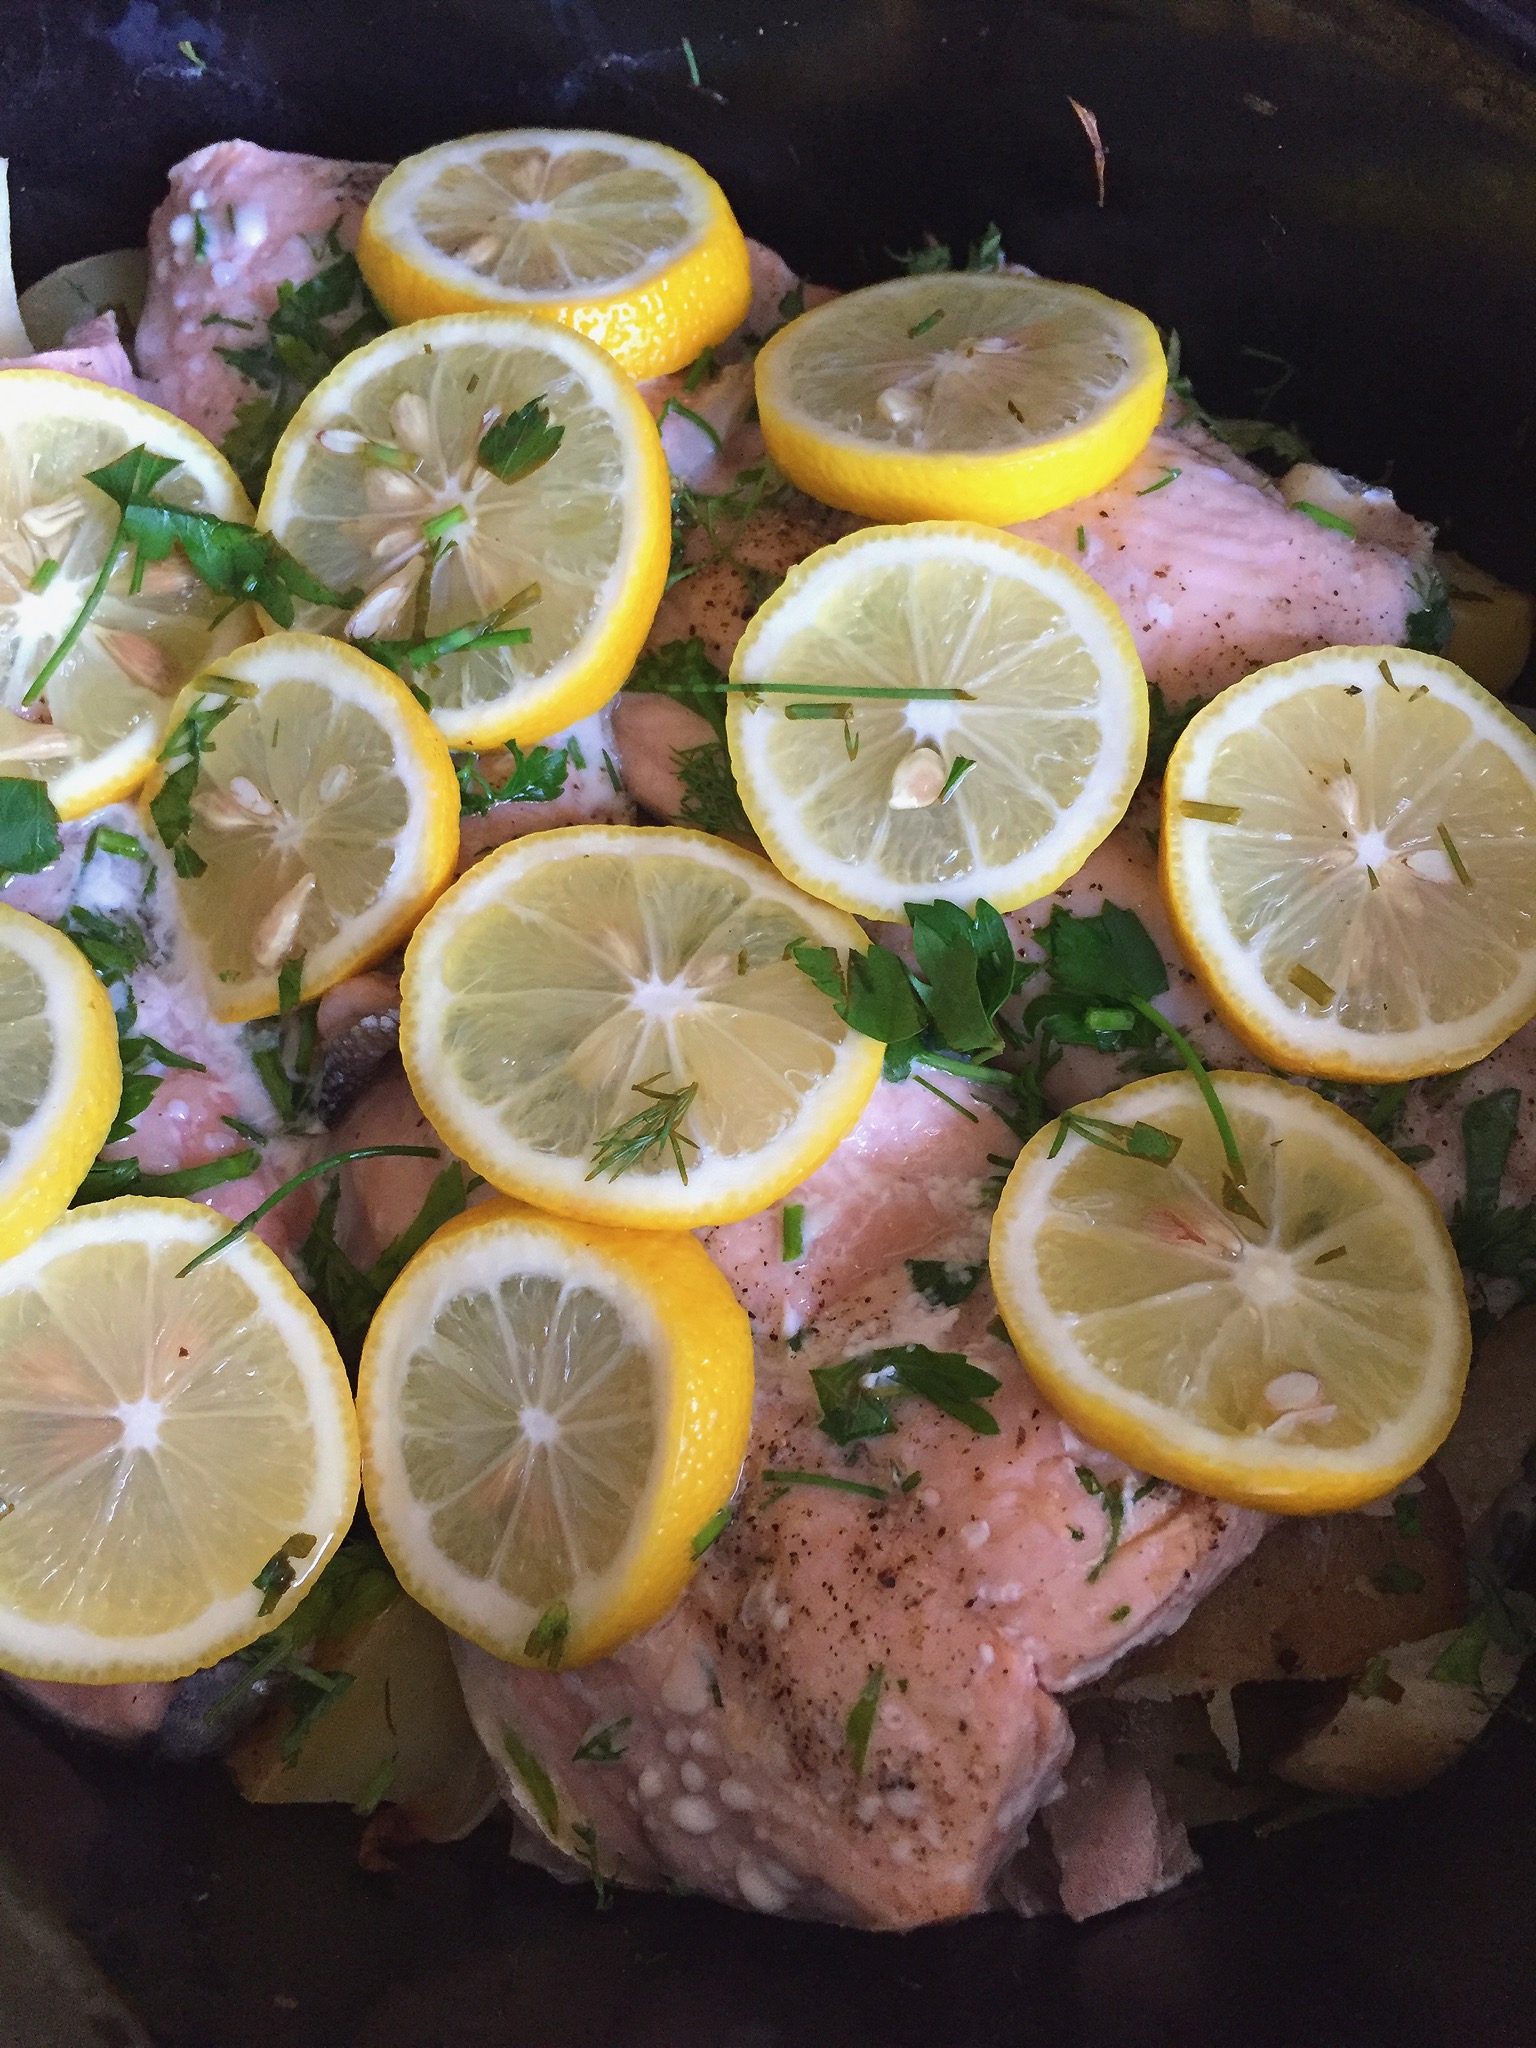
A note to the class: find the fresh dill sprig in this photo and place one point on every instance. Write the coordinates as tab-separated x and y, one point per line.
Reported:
655	1130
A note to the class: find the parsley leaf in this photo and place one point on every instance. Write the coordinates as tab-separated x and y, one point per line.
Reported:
603	1746
537	777
29	826
348	1295
942	1282
192	737
850	1409
521	443
313	326
1166	723
1429	626
1498	1241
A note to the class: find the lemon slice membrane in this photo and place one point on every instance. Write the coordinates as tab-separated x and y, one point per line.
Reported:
1053	719
165	1439
627	242
325	818
960	395
60	1075
1349	856
385	448
109	700
570	968
551	1412
1304	1363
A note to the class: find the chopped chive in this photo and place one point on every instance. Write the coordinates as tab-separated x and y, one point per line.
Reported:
614	779
1202	1080
252	1161
960	767
911	1482
1454	857
81	620
827	1479
1237	1203
1162	483
691	61
443	522
189	51
712	1530
1119	1613
1311	985
1016	413
1327	1258
1321	516
1082	540
860	1725
1372	878
1134	1141
1210	814
793	1232
242	1129
536	1780
43	574
104	839
969	1115
1387	676
290	977
922	327
850	740
804	711
895	695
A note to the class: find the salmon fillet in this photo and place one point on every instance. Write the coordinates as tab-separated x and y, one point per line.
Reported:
237	222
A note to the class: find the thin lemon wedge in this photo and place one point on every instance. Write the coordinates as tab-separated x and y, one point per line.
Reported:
180	1454
960	395
494	490
92	730
1349	858
312	813
945	712
632	244
60	1075
552	1412
604	1020
1298	1344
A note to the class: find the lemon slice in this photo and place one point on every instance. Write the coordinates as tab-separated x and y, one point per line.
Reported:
575	981
1349	856
1303	1363
960	395
629	243
1033	680
106	705
167	1441
376	486
320	813
551	1413
60	1076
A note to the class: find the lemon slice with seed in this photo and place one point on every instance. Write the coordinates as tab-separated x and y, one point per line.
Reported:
998	782
1304	1362
321	818
105	707
1349	856
576	981
377	486
551	1413
60	1076
167	1442
627	242
960	396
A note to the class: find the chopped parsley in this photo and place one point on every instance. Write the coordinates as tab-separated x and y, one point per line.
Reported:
29	826
1113	1497
348	1295
537	777
944	1283
536	1780
851	1407
547	1638
712	1530
603	1745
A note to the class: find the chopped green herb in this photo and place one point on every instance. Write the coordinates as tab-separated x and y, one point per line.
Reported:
603	1746
1119	1613
1133	1141
1082	546
655	1130
1405	1514
959	768
615	780
909	1482
1311	985
537	777
1113	1497
347	1295
860	1725
691	61
289	977
1320	516
373	1793
1454	857
43	574
944	1283
930	320
1428	628
104	839
536	1780
702	370
850	1408
277	1575
712	1530
1166	722
547	1638
1327	1258
189	51
826	1479
521	443
1210	814
586	1834
1168	476
694	419
280	1194
1396	1578
29	826
793	1232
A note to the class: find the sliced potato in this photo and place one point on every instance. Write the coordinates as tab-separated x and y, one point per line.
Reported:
1316	1600
398	1735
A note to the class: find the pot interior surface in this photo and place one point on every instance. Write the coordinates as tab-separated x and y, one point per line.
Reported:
1344	188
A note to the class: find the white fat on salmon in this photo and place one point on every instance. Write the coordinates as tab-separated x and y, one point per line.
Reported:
237	222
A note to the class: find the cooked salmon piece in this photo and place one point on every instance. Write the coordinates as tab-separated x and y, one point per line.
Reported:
237	222
1218	575
93	350
593	792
